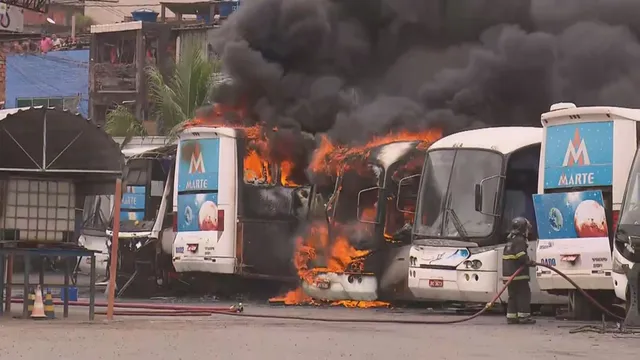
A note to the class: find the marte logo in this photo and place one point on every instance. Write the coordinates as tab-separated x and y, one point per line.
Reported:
576	152
197	162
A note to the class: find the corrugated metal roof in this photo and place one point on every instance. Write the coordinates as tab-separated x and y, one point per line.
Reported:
124	26
41	140
56	74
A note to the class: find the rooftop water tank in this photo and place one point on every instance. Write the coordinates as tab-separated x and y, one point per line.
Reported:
146	15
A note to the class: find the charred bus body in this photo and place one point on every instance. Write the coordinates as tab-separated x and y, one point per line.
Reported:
237	210
369	220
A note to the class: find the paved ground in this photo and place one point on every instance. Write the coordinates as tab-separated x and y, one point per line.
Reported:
223	337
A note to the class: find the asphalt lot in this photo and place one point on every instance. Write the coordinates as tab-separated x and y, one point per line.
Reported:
223	337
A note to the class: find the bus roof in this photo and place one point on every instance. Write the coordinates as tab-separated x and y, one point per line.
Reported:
574	113
224	131
503	139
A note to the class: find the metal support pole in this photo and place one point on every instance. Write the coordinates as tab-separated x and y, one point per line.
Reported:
92	288
65	290
44	140
25	285
3	284
7	304
113	268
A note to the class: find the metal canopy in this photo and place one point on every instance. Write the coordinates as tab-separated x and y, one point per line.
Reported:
53	141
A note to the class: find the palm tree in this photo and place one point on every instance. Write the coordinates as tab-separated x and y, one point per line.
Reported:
174	99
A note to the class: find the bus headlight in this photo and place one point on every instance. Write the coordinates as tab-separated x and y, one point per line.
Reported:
473	264
618	267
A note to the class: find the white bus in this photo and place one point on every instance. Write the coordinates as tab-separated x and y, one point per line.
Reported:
473	184
97	210
236	212
584	164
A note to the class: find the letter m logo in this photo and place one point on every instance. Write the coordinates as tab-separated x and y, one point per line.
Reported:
576	152
197	163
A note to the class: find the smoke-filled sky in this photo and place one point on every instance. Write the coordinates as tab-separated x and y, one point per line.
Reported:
354	68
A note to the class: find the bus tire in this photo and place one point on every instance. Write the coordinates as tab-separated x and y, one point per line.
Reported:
580	307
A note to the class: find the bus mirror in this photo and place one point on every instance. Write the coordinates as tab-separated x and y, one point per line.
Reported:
403	182
367	213
478	197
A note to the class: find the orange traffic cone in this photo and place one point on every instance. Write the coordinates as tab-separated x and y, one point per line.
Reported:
38	306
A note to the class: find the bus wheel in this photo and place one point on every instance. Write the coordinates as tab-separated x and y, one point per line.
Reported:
580	308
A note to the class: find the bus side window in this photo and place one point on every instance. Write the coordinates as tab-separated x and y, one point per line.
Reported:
257	170
520	184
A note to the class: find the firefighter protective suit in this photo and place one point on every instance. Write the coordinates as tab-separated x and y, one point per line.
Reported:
515	256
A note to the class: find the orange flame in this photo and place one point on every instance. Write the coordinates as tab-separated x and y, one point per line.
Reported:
286	170
257	162
329	158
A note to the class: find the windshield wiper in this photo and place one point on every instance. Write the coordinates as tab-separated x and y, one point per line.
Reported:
456	220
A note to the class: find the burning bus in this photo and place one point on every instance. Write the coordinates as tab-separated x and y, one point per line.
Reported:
361	253
238	202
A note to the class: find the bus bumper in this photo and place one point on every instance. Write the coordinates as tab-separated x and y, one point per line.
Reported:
215	265
551	281
453	285
340	286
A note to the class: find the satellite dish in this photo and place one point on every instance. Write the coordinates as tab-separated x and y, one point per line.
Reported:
51	21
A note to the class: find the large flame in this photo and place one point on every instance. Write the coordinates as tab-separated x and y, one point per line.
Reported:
329	158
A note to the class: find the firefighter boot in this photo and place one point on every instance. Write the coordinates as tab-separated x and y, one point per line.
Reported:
526	320
512	321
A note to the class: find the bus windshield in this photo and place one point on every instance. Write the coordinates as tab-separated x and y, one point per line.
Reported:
447	199
630	214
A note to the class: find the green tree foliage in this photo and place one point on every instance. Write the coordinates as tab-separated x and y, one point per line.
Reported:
174	99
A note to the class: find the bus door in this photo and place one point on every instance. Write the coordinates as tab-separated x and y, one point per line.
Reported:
268	216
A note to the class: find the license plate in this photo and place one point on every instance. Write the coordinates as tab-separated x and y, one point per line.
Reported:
192	247
569	258
323	284
435	283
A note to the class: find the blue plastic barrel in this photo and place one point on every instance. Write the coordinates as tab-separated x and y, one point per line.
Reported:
203	17
73	294
227	7
145	15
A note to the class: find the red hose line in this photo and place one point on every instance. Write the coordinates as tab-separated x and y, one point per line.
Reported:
156	313
144	306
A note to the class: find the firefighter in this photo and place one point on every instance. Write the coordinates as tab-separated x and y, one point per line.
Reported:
515	256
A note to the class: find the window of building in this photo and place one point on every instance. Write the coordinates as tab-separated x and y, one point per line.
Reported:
67	103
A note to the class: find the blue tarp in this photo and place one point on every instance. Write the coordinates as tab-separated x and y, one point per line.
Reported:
56	74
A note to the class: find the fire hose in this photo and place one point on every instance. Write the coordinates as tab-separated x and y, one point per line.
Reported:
182	310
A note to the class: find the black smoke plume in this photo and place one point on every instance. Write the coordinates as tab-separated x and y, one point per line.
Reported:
354	68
